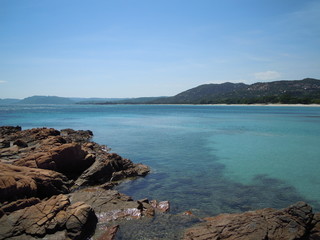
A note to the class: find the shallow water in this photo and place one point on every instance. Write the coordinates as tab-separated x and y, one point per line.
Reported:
207	159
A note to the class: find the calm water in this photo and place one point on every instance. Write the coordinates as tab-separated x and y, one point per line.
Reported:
207	159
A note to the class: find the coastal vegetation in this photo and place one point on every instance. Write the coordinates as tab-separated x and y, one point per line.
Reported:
306	91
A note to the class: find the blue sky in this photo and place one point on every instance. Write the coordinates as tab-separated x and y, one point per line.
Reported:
134	48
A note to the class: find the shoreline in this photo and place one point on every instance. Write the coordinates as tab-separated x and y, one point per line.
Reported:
172	104
269	105
218	104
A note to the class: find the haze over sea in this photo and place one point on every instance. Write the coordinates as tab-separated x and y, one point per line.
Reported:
207	159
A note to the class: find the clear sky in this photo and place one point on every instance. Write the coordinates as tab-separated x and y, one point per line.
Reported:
135	48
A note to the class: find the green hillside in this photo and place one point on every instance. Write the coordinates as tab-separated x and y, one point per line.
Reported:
306	91
46	100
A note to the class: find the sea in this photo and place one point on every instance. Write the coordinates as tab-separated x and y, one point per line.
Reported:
207	159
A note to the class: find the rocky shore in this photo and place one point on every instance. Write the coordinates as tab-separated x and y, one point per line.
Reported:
59	185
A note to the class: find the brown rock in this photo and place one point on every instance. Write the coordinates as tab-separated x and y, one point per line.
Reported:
109	205
4	143
315	232
69	153
7	130
79	136
32	220
50	216
70	159
187	213
17	205
30	136
163	206
290	223
20	143
81	222
110	167
19	182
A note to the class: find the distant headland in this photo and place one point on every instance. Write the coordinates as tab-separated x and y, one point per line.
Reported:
305	91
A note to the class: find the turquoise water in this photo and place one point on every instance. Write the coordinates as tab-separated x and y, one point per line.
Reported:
207	159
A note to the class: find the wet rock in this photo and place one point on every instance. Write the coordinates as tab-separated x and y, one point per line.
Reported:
110	233
293	222
109	205
187	213
19	182
163	206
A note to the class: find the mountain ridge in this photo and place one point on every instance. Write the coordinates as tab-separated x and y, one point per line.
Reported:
305	91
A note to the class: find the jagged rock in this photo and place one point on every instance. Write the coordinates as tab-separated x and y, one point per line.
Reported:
81	222
7	130
70	158
4	143
41	163
17	144
315	232
50	216
291	223
30	135
110	205
80	136
20	143
10	207
68	152
109	233
110	167
19	182
163	206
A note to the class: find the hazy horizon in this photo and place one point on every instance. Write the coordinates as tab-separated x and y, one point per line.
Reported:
119	98
129	49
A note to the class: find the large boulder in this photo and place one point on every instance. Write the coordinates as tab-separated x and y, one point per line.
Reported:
110	205
290	223
110	167
56	214
19	182
69	158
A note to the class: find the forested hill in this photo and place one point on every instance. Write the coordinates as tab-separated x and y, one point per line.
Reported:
306	91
